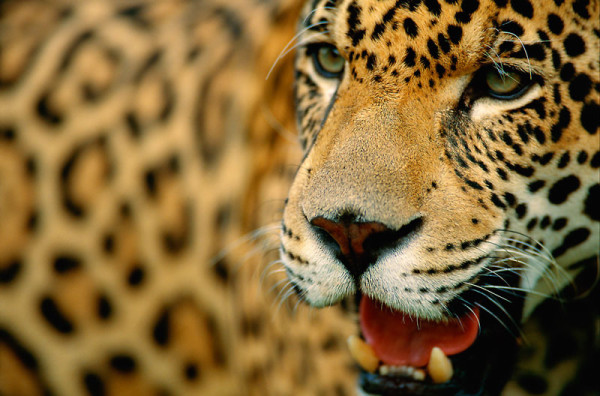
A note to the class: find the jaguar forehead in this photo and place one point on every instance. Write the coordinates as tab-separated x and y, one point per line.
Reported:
386	42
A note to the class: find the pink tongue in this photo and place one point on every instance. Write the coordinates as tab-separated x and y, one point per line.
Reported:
398	340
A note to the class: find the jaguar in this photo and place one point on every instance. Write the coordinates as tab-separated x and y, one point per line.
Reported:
449	182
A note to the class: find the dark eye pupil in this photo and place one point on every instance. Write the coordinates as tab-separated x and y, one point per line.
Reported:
328	61
505	84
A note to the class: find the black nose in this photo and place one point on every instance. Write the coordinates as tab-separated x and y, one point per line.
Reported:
358	244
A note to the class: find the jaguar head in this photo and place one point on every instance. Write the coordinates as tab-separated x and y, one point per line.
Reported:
432	135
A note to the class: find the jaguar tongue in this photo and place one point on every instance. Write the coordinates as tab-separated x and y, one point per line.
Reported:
400	340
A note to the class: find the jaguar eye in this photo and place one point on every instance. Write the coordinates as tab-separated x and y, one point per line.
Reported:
327	60
506	84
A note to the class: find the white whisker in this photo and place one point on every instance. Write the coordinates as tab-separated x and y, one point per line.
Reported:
284	51
481	289
524	50
277	284
246	238
266	274
489	312
305	21
520	289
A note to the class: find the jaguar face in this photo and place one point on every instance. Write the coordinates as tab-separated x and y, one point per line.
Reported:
447	180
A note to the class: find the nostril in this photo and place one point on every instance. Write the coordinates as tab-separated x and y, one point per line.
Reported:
389	239
329	241
338	232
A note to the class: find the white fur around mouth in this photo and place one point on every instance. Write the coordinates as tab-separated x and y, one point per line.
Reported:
439	369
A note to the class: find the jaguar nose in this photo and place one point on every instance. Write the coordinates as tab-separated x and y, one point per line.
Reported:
358	244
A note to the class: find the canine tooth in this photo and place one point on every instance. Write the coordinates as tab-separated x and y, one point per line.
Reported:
363	354
439	366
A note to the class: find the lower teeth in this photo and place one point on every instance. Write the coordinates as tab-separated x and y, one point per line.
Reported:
402	371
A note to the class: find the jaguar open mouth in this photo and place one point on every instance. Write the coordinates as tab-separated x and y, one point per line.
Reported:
472	354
